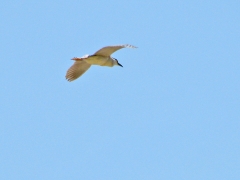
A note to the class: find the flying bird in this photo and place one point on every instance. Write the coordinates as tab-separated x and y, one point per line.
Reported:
102	58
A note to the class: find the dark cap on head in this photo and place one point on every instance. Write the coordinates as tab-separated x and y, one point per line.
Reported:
118	62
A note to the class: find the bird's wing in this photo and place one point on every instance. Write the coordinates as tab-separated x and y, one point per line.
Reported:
108	50
76	70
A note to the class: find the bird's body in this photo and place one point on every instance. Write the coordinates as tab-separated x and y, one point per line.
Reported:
101	57
101	60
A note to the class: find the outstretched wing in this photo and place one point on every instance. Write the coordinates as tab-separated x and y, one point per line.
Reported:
76	70
108	50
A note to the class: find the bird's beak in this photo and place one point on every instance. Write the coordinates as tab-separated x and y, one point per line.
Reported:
120	64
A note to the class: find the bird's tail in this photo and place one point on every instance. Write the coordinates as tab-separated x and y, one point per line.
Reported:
76	58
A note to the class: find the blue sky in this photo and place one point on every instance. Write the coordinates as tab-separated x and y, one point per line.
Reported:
172	112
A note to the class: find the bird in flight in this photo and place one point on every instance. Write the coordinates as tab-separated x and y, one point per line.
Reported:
102	58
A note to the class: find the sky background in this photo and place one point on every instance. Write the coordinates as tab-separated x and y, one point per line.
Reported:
172	112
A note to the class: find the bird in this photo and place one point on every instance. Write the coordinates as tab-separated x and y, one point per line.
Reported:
102	58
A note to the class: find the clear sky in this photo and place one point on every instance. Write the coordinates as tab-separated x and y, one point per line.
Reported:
172	112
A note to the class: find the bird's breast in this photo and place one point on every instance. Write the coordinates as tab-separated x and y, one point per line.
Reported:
100	60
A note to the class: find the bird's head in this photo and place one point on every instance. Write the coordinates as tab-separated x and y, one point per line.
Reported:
117	63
